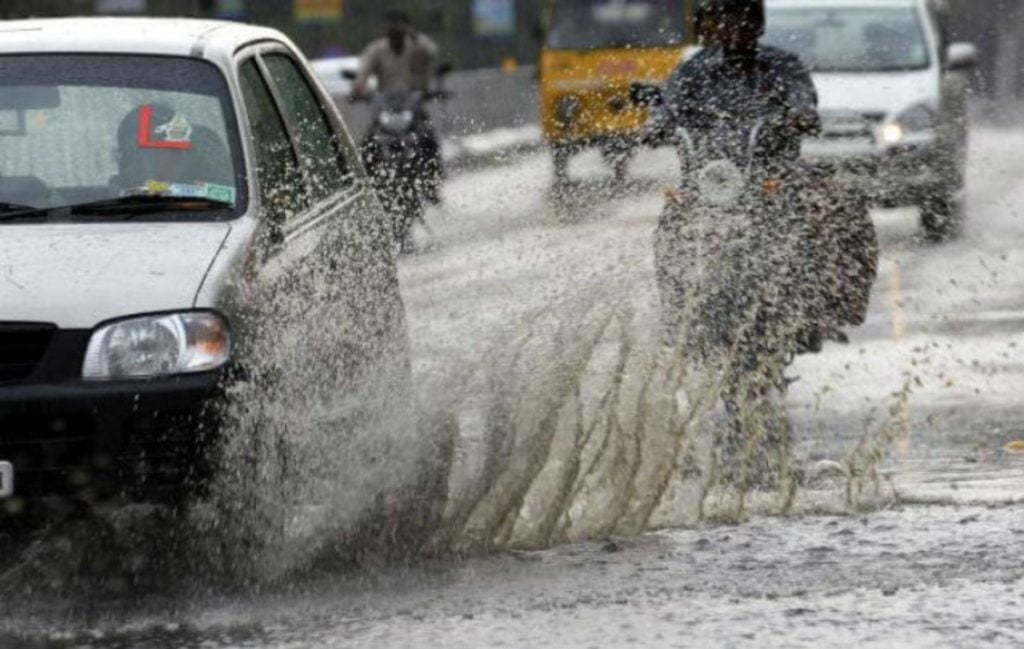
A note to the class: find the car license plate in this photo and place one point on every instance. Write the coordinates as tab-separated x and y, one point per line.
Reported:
6	479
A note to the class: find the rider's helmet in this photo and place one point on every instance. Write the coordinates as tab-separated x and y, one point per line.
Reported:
711	8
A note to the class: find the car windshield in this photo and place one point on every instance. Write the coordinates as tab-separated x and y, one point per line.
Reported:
851	39
597	24
78	129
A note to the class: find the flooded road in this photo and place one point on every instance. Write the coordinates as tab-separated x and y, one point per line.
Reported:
906	532
922	576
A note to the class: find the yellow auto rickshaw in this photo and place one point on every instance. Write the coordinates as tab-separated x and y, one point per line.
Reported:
593	51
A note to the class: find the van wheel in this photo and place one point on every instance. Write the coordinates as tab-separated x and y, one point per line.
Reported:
618	158
560	155
940	216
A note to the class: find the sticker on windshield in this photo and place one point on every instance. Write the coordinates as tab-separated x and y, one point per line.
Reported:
221	193
209	191
176	130
175	134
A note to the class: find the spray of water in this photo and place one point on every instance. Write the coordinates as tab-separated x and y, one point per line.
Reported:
320	438
584	421
587	421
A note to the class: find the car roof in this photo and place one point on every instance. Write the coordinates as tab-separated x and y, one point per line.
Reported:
208	39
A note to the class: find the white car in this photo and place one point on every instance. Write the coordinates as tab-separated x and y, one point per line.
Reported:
892	96
164	184
336	74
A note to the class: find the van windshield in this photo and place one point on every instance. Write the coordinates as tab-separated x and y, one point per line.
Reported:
86	129
603	24
850	39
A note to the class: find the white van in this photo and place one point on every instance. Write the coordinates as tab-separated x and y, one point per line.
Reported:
164	186
892	93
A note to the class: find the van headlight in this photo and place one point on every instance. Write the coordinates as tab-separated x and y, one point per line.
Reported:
720	183
915	120
156	346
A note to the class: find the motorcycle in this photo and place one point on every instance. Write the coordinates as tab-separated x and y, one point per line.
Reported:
729	250
758	259
402	153
403	158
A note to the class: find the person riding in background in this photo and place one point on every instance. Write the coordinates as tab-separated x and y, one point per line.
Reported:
732	77
404	60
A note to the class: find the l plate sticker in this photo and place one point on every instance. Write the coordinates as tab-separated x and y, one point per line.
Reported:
6	479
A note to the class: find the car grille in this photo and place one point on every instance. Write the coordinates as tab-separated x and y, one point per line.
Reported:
64	457
843	125
22	347
51	456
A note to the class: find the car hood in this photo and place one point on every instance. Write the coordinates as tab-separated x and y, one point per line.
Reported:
78	275
887	93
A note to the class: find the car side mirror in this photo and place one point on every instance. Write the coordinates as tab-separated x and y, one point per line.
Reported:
961	56
349	75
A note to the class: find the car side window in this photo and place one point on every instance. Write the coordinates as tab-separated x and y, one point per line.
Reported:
940	23
317	141
278	173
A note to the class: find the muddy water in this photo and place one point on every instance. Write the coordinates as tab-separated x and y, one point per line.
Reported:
920	576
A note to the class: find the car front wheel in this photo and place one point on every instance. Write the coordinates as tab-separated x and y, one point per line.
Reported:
940	215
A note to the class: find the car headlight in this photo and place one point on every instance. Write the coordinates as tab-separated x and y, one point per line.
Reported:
156	346
916	119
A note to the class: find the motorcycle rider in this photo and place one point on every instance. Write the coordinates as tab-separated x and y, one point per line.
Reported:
734	78
404	60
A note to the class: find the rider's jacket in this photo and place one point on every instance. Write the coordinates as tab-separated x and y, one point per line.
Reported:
714	86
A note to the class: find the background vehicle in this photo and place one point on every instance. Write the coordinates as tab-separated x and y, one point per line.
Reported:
737	287
402	156
753	268
401	151
336	74
593	51
893	98
185	204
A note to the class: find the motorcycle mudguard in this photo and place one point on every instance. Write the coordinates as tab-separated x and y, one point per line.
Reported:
848	251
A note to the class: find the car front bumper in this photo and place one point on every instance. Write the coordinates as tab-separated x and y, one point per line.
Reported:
893	175
95	441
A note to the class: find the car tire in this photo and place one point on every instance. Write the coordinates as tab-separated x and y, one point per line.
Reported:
940	216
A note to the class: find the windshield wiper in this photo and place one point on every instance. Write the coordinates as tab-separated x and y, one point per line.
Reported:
147	204
14	211
126	206
10	207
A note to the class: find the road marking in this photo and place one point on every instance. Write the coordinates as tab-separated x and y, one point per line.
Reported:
898	322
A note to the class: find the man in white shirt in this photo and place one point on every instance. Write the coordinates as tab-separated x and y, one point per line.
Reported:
403	60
